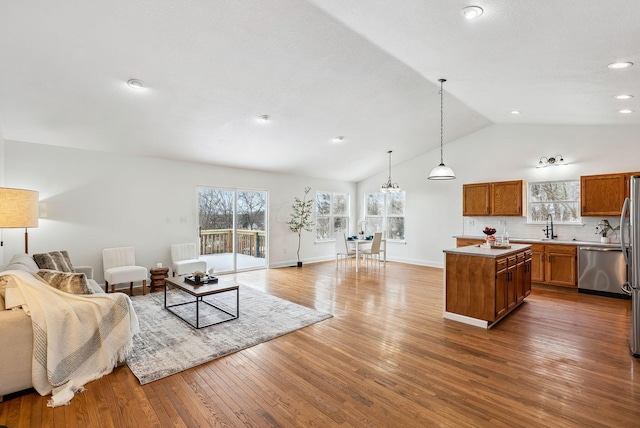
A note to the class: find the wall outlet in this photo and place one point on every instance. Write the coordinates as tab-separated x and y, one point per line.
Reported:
183	220
168	220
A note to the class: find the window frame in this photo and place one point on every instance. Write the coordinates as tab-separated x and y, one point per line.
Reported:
332	216
385	216
530	201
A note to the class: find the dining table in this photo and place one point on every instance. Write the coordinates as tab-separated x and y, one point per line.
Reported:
357	242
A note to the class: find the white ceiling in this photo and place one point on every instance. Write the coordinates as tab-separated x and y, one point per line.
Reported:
364	69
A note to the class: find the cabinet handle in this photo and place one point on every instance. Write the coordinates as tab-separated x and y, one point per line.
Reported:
486	210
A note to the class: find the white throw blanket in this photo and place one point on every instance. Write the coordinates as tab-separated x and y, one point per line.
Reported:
76	338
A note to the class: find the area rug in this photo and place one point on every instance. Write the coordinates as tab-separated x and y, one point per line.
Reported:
167	345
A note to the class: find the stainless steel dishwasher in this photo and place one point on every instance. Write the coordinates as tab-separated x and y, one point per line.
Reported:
602	270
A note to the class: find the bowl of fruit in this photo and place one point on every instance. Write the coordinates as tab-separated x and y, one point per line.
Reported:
489	231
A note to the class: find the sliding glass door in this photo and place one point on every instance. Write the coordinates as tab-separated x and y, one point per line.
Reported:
233	228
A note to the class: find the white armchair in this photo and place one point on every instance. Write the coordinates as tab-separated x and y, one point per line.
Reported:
184	259
120	267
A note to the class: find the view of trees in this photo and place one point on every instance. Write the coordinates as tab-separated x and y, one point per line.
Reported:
385	212
332	214
216	209
561	199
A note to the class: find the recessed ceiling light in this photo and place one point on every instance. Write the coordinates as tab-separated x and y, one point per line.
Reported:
472	12
264	118
623	97
339	139
515	112
625	111
617	65
135	84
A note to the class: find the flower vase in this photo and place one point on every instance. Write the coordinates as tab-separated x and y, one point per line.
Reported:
605	239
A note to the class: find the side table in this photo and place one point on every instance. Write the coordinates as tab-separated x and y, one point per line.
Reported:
157	277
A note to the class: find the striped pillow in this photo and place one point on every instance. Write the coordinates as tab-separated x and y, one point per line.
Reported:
54	260
75	283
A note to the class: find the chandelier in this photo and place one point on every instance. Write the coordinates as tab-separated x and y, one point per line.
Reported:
389	187
441	172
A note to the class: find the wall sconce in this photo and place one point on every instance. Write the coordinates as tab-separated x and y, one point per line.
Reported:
550	161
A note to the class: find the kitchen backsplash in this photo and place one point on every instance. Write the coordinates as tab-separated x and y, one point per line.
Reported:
517	227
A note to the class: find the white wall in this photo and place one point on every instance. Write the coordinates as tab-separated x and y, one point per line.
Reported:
498	153
98	200
1	181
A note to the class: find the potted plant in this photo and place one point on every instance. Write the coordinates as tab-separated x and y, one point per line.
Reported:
301	218
603	229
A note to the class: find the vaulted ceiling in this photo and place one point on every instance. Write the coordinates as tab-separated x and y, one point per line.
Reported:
367	70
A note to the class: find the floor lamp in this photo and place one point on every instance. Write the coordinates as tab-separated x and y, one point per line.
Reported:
19	208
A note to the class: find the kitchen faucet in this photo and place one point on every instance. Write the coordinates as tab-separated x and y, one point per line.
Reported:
548	231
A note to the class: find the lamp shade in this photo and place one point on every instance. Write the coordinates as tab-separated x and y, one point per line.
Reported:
442	172
18	208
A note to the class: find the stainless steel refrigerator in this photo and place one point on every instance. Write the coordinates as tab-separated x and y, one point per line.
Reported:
630	242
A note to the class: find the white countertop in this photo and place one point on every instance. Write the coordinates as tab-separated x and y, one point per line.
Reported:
549	241
475	250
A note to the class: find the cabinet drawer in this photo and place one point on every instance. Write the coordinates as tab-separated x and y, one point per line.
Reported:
501	264
560	248
464	242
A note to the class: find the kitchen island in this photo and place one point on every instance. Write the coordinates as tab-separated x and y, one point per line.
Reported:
483	285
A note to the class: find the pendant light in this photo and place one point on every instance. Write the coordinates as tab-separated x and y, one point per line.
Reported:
389	187
441	172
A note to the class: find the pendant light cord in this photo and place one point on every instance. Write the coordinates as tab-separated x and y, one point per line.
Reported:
441	121
389	166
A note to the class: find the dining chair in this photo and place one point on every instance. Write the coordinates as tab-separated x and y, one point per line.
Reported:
120	267
342	250
374	251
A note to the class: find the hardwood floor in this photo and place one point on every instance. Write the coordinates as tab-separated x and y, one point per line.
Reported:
386	358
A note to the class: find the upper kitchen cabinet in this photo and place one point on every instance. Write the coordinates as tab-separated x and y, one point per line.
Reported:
504	198
603	195
475	199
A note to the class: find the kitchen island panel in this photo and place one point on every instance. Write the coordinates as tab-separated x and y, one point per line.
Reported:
470	289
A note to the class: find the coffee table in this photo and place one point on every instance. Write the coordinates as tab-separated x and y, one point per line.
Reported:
199	292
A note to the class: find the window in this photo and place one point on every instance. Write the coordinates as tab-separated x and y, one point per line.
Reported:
561	199
385	212
332	215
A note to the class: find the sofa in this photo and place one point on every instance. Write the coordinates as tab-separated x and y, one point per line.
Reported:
16	332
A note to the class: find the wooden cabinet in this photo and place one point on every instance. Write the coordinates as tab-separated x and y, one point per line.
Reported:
501	285
537	263
465	242
604	194
486	288
512	282
475	199
553	264
526	278
504	198
560	267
